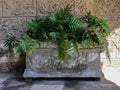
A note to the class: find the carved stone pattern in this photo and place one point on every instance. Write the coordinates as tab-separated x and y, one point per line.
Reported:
44	63
45	60
114	45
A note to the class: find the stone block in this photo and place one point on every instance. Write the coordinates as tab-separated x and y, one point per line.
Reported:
19	7
45	7
93	61
13	25
44	63
0	7
47	87
104	7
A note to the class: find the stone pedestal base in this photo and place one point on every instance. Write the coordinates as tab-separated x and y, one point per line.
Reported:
43	63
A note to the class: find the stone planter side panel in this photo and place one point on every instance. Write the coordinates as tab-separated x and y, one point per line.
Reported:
44	63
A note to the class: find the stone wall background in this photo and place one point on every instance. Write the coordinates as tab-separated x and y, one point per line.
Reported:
15	13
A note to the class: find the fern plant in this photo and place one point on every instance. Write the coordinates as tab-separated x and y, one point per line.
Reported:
69	31
97	29
10	42
23	45
26	45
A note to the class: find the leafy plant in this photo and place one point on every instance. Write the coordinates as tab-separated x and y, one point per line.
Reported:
69	31
26	45
97	29
23	45
10	42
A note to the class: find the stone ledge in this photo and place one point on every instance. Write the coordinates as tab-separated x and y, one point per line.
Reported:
83	74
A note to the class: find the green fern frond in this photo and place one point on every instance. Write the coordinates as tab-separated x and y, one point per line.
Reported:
26	45
54	35
66	29
104	43
64	12
74	24
10	42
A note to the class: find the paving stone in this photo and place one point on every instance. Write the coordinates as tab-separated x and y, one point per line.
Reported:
15	83
57	84
0	7
47	87
91	85
25	88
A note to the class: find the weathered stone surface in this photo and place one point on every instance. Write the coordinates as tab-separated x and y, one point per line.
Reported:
28	19
118	48
114	45
15	26
83	6
0	7
44	63
45	60
90	85
114	21
112	49
15	83
115	34
107	7
93	61
47	87
10	82
104	7
9	63
47	6
19	7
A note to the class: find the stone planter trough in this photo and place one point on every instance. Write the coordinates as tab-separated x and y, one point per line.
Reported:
43	63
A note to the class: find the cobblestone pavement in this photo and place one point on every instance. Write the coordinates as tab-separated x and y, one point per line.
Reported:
11	82
56	84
